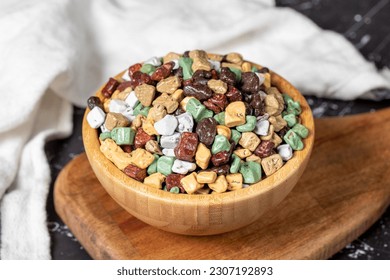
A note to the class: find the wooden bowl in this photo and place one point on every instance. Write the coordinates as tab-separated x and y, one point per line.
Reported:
201	214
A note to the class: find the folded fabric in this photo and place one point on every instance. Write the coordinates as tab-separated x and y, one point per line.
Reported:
57	53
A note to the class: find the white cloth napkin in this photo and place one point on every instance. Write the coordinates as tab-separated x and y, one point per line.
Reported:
56	53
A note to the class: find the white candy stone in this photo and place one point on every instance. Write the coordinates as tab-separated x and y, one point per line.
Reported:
103	128
183	167
117	106
285	152
168	152
155	61
170	141
215	64
186	122
167	125
131	100
176	64
262	128
126	76
129	114
96	117
261	77
263	117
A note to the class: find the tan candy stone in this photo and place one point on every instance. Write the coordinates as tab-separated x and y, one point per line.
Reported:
157	112
234	181
204	190
278	122
153	147
242	153
249	140
254	158
183	103
202	156
137	123
115	154
220	185
271	105
217	86
178	95
148	127
273	91
224	130
216	57
145	94
197	54
231	65
190	184
106	105
155	180
121	95
235	114
270	133
206	177
168	101
246	66
141	158
200	61
267	81
115	120
234	57
276	139
272	164
171	56
169	85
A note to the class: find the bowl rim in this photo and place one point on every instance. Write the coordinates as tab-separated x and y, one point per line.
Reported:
287	171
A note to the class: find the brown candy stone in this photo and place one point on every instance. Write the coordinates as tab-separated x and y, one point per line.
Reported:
134	68
206	130
126	148
220	170
141	138
140	78
135	172
227	76
110	87
211	106
250	82
233	94
220	158
163	71
264	149
186	148
220	100
173	180
199	91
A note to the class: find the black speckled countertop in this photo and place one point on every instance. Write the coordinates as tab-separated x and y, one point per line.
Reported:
366	23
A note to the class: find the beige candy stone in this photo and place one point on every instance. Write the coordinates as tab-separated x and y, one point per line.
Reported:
115	120
115	154
246	66
204	190
183	103
178	95
171	56
137	123
169	85
272	164
217	86
141	158
168	101
190	184
197	54
278	122
148	127
206	177
121	95
254	158
242	153
271	105
145	94
234	181
249	140
153	147
231	65
267	81
276	139
106	105
200	60
224	130
155	180
270	133
235	114
157	112
220	185
276	93
234	57
216	57
202	156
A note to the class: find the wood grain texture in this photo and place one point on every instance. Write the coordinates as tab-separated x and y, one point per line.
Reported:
344	189
201	214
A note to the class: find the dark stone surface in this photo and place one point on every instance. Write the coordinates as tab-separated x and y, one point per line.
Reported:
366	24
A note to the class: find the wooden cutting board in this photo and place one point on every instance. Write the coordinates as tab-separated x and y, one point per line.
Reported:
344	190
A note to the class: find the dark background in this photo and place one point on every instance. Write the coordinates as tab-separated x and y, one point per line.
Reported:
366	24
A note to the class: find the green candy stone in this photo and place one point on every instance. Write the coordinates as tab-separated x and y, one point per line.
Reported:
148	69
293	140
104	135
164	165
249	125
153	167
186	64
236	164
251	172
206	114
145	111
291	119
174	190
293	107
195	108
221	143
123	135
301	130
220	118
287	98
254	69
237	72
236	136
141	109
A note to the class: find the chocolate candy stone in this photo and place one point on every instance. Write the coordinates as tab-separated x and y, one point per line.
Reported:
135	172
173	181
186	148
110	87
94	101
220	158
206	130
199	91
227	76
264	149
250	82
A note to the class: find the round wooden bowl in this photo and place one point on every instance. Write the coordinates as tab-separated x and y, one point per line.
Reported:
201	214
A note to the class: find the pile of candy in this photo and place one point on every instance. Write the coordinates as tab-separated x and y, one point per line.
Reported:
196	123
